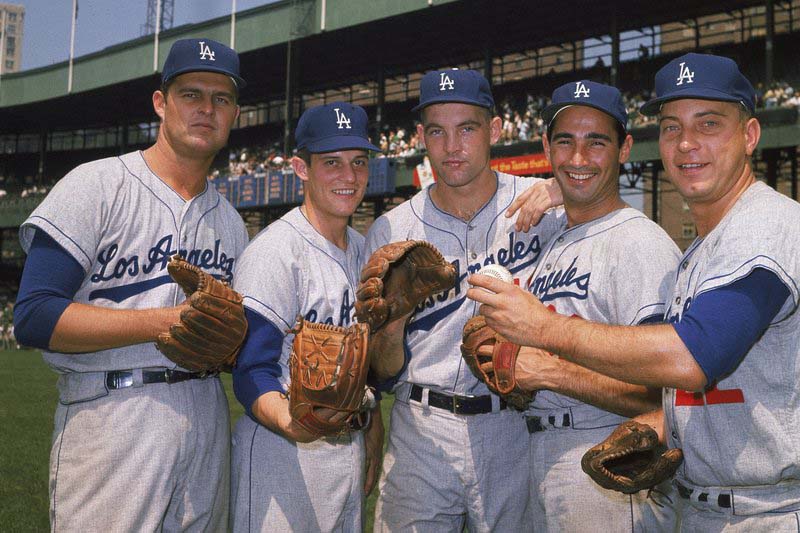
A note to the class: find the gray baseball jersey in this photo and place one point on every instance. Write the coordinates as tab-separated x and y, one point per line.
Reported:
740	438
418	487
121	223
434	333
290	269
614	270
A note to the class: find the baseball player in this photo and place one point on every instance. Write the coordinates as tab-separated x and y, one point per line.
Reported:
730	355
138	443
456	454
608	263
306	263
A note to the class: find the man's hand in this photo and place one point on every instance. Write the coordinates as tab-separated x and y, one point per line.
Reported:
271	409
512	312
657	421
537	369
534	202
373	442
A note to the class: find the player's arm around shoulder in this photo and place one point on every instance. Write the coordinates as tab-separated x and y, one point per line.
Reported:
533	202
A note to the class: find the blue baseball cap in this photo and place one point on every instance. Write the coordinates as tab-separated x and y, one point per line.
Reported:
454	85
588	93
701	76
201	55
333	127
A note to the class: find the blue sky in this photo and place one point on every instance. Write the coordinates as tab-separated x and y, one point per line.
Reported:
101	23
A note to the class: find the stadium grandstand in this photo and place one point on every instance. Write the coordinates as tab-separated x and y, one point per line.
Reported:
299	53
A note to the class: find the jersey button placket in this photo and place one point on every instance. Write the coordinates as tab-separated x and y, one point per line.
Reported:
185	222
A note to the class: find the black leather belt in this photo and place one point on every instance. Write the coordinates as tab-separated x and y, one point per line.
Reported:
460	405
535	422
723	500
121	379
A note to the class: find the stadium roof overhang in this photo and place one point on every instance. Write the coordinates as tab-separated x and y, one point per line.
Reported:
416	40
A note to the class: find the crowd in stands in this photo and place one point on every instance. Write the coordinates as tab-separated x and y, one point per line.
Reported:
779	94
396	142
253	160
521	121
10	189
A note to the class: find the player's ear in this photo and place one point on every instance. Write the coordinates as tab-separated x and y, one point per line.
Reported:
159	102
625	149
495	129
752	131
546	147
300	168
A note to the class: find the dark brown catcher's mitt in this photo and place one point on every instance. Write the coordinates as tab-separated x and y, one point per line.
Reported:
497	369
631	459
397	277
213	325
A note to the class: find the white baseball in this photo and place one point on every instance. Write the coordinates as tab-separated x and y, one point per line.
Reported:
497	272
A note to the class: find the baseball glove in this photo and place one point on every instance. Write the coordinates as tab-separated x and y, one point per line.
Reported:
397	277
213	325
631	459
496	370
328	368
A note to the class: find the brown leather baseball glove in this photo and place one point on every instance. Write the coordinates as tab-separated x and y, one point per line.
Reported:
496	370
631	459
328	368
213	325
397	277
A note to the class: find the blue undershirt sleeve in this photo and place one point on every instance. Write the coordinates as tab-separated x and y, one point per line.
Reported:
50	279
257	368
721	325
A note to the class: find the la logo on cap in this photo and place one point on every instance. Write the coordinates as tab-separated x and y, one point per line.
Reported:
445	82
581	90
341	119
685	74
206	52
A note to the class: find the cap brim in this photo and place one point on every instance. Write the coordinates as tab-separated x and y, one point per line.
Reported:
653	107
340	142
552	110
449	100
240	83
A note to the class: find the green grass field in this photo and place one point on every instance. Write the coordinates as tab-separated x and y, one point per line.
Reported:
27	402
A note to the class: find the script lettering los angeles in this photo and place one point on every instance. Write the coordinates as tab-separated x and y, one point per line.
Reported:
112	267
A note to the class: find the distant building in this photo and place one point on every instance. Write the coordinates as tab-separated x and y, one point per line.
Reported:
12	18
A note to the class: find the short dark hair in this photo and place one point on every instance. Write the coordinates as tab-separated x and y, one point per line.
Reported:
621	133
165	85
744	113
305	155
